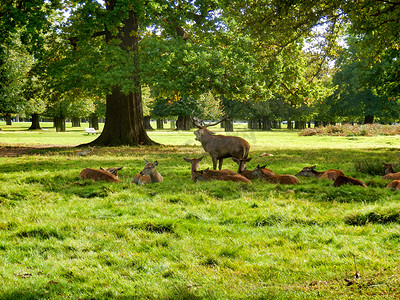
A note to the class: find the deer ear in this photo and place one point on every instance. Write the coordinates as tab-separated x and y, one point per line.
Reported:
146	161
188	160
101	168
119	168
156	163
249	159
201	158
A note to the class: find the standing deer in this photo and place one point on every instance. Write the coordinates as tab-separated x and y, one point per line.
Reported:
342	180
207	175
148	174
97	175
394	185
220	146
281	179
242	169
389	173
329	174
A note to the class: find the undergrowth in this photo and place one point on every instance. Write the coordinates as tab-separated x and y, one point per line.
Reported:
64	237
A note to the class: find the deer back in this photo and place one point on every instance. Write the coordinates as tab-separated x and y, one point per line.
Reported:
208	175
342	180
282	179
394	185
98	175
222	146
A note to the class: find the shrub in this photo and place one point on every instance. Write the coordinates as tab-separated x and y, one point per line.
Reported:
353	130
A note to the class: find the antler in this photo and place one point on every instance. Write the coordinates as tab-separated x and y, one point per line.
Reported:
216	123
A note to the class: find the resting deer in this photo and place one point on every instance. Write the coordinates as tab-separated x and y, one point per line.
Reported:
207	175
148	174
342	180
242	169
389	173
97	175
329	174
394	185
281	179
113	171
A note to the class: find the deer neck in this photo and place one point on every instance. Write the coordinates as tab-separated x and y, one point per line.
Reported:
155	177
316	173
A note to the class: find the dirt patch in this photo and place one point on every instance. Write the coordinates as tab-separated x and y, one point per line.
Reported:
12	151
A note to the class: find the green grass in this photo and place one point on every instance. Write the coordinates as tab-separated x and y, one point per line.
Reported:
63	237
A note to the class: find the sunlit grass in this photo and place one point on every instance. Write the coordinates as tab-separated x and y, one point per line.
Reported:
63	237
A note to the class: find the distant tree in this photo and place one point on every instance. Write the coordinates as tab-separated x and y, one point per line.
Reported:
359	92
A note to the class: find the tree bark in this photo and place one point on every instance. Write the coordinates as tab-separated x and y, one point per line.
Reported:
183	123
124	123
228	125
8	119
266	124
368	119
160	124
147	124
94	122
35	122
76	122
59	123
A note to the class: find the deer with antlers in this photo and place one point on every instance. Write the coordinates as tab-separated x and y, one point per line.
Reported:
220	146
148	174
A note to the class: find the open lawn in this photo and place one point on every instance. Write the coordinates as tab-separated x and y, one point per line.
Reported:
65	237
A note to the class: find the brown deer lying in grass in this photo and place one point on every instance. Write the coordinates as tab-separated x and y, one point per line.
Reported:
394	185
342	180
97	175
329	174
148	174
280	179
207	175
242	169
113	171
389	173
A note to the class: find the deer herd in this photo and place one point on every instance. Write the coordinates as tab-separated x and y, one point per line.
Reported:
220	147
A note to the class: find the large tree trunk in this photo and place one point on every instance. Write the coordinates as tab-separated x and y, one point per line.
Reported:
124	112
35	122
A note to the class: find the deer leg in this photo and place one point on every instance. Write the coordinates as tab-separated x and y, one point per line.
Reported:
214	161
220	163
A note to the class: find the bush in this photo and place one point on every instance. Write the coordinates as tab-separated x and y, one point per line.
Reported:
353	130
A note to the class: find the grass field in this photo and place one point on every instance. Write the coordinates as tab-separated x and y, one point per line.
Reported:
62	237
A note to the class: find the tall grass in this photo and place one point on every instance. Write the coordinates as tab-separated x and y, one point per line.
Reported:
64	237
